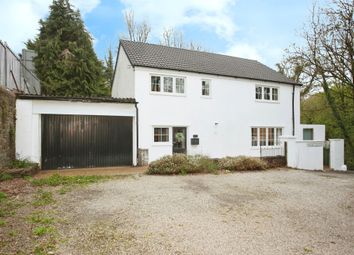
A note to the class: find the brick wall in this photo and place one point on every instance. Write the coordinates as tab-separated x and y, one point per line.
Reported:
7	126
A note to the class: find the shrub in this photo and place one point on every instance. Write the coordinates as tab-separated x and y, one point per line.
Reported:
242	163
182	164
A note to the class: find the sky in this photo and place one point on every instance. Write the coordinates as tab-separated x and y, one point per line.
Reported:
255	29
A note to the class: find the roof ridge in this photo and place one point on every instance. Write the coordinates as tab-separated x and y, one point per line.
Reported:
184	49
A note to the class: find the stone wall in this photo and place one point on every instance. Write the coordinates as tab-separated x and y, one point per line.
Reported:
7	126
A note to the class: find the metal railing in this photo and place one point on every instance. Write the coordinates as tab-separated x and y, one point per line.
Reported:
14	74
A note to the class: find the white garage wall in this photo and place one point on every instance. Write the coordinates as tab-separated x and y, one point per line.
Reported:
28	123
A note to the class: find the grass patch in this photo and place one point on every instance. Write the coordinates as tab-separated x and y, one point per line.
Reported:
2	223
57	180
182	164
43	198
39	218
22	163
42	230
242	163
5	177
3	196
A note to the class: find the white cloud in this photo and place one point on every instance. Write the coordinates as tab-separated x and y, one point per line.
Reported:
244	50
212	14
19	18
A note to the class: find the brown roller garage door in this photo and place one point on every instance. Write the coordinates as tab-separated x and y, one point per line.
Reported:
76	141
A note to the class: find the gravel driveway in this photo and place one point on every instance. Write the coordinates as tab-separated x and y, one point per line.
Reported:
269	212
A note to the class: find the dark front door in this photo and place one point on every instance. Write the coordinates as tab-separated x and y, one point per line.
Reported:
76	141
179	140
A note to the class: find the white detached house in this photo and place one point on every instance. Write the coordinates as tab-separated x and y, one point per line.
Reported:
204	103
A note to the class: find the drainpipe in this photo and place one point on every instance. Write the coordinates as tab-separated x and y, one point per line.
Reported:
137	131
293	110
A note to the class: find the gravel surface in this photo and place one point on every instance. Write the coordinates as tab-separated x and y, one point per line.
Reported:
268	212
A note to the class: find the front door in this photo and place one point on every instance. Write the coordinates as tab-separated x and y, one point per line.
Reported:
179	140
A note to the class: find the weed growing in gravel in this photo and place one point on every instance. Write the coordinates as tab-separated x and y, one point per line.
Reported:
39	218
2	223
43	198
42	230
57	180
3	196
5	177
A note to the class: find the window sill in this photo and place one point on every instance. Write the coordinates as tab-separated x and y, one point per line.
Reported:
267	101
168	94
206	97
266	147
161	144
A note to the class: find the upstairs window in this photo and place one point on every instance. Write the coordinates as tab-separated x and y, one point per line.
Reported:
168	84
155	83
205	88
264	93
259	93
180	85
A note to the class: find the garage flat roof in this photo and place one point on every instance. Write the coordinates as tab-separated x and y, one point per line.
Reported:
79	99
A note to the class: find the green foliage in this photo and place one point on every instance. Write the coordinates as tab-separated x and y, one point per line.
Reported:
3	196
56	180
39	218
182	164
66	63
5	177
43	198
42	230
242	163
22	163
109	69
316	110
2	223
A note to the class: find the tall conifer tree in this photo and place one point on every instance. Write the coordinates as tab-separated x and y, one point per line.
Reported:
66	63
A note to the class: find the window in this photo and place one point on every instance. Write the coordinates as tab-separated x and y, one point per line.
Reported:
307	134
161	134
266	136
266	93
254	136
168	84
155	83
271	137
262	136
259	93
279	133
205	88
275	94
180	85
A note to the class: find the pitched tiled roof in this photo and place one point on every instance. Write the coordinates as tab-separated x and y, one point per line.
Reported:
163	57
78	99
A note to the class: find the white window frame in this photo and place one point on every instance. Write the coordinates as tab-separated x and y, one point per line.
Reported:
169	142
275	128
270	100
209	89
162	85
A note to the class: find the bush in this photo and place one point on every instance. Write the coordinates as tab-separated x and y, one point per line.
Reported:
182	164
242	163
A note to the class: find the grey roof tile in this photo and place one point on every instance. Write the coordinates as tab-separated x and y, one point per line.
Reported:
163	57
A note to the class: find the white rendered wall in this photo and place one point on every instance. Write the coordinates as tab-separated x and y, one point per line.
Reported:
232	105
337	154
123	81
319	131
28	123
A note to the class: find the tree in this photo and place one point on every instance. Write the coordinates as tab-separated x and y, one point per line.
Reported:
175	38
66	63
108	68
328	57
136	32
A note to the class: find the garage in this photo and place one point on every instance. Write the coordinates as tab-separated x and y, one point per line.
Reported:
76	141
61	132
